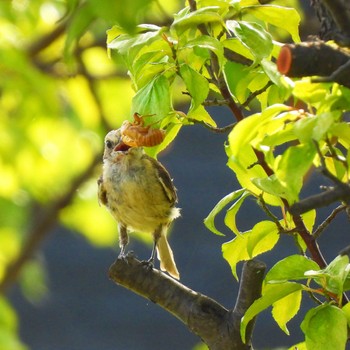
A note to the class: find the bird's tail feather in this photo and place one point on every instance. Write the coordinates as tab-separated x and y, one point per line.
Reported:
166	257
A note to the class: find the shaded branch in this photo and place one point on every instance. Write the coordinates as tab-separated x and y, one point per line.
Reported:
335	194
339	192
218	327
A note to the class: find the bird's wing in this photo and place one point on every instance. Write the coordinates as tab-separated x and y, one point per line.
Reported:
164	179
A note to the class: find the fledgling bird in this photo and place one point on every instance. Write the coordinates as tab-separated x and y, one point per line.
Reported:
139	193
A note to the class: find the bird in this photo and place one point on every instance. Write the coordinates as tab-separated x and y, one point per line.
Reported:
139	193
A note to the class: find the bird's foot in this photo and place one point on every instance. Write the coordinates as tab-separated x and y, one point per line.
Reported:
124	256
148	264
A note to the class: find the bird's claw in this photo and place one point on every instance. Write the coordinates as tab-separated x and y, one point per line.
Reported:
124	256
148	264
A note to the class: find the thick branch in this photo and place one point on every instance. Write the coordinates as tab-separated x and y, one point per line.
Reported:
314	59
218	327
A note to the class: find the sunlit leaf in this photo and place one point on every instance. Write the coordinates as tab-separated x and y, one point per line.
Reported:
283	17
263	238
235	251
325	327
192	19
201	114
285	309
290	268
153	98
293	165
209	221
197	85
253	36
230	217
271	295
209	43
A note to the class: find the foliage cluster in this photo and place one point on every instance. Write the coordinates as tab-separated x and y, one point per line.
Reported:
225	52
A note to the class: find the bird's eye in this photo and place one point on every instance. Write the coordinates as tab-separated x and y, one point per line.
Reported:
109	144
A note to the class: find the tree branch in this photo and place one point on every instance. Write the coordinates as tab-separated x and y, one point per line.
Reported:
335	194
315	59
218	327
216	74
328	220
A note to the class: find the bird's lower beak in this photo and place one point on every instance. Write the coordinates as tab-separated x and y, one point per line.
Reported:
121	147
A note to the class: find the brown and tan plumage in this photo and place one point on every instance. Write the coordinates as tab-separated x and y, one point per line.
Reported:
140	195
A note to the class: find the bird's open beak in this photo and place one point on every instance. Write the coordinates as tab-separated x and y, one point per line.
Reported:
121	147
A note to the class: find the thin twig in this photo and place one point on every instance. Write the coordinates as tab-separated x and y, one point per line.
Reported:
268	212
317	233
215	102
215	72
214	129
255	94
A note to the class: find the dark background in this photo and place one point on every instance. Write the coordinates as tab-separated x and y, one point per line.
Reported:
85	310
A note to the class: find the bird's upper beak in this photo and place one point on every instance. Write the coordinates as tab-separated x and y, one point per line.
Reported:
121	147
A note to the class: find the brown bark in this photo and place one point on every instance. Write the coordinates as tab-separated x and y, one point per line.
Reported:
217	326
315	59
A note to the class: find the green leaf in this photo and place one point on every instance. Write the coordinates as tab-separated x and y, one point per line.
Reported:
315	127
272	186
314	93
299	346
271	295
286	308
34	281
270	68
309	219
201	114
346	310
293	165
209	43
230	217
236	45
153	98
171	132
193	19
235	251
334	276
79	23
209	220
263	238
325	327
241	156
9	338
196	84
281	17
123	43
253	36
291	268
148	65
238	77
249	244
